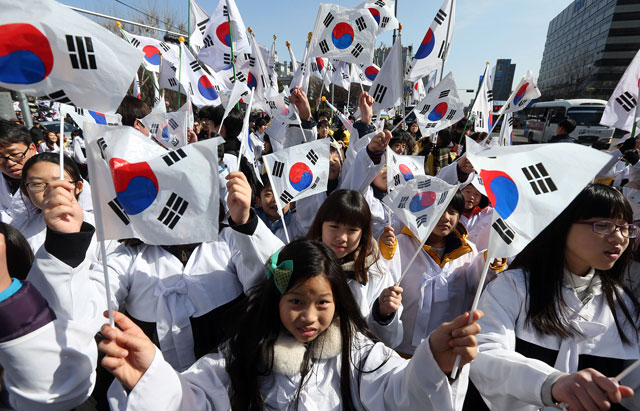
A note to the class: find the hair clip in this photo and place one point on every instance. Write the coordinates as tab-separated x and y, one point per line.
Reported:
281	272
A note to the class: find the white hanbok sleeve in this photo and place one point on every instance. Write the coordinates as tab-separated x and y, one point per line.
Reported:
505	378
362	172
379	278
201	387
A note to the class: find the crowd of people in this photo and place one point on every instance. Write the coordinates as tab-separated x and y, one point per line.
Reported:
326	320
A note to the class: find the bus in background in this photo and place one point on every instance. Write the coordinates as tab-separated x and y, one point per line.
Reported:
543	119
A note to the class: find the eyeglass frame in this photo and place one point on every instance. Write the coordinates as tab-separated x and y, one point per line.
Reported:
618	227
4	159
45	185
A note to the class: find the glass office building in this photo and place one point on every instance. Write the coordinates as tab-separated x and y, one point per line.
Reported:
589	46
503	79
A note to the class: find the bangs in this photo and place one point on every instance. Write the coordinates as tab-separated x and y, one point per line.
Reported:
350	213
598	200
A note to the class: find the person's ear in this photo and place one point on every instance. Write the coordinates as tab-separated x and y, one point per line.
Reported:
79	186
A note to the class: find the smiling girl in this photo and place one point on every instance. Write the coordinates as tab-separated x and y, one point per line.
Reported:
301	344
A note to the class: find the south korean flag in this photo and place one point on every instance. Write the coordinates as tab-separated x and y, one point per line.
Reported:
216	44
344	34
281	107
168	129
622	108
525	92
420	202
529	186
52	51
440	108
482	110
401	169
153	49
299	171
82	115
201	88
143	191
383	13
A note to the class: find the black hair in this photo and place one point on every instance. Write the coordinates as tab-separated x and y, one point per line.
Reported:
18	252
70	167
132	109
479	136
47	142
323	113
232	124
568	125
444	138
457	202
259	123
323	123
348	207
12	133
546	311
249	353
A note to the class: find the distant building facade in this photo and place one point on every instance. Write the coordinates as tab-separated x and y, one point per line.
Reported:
503	79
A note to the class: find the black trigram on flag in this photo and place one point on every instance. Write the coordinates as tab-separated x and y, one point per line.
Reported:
489	95
117	209
324	47
360	23
202	26
195	66
58	96
286	197
425	109
154	128
380	3
272	104
440	16
356	50
173	210
443	197
445	93
504	231
263	81
207	41
172	82
278	168
225	11
379	92
422	220
312	156
135	42
345	76
81	52
315	183
164	46
403	202
539	179
480	120
452	114
510	121
431	125
424	184
327	20
396	180
102	145
286	100
626	101
79	110
226	57
174	156
173	123
252	60
384	22
442	49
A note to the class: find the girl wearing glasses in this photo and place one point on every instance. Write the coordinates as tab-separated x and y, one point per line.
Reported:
560	321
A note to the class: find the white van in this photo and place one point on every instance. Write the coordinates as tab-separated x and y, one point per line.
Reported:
543	119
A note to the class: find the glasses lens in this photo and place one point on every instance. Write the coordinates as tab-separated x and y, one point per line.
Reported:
35	187
632	231
604	227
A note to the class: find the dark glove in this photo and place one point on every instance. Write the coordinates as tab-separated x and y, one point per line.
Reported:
630	144
631	156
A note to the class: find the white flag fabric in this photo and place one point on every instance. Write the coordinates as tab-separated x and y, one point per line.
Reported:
322	69
270	60
299	171
431	81
622	108
401	169
136	87
506	132
159	104
200	86
344	34
81	115
199	21
482	110
143	191
168	129
523	94
418	91
302	73
420	203
239	91
435	44
364	75
529	186
341	76
294	62
153	49
282	109
440	108
387	89
258	76
187	108
216	50
247	142
353	133
52	51
383	13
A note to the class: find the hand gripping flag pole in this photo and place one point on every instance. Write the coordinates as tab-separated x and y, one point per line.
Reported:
245	122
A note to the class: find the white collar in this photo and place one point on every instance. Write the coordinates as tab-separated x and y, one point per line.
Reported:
589	284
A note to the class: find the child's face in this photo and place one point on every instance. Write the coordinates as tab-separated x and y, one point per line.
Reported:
45	172
323	131
446	224
334	165
53	137
380	181
465	165
585	248
342	239
307	309
267	202
471	197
